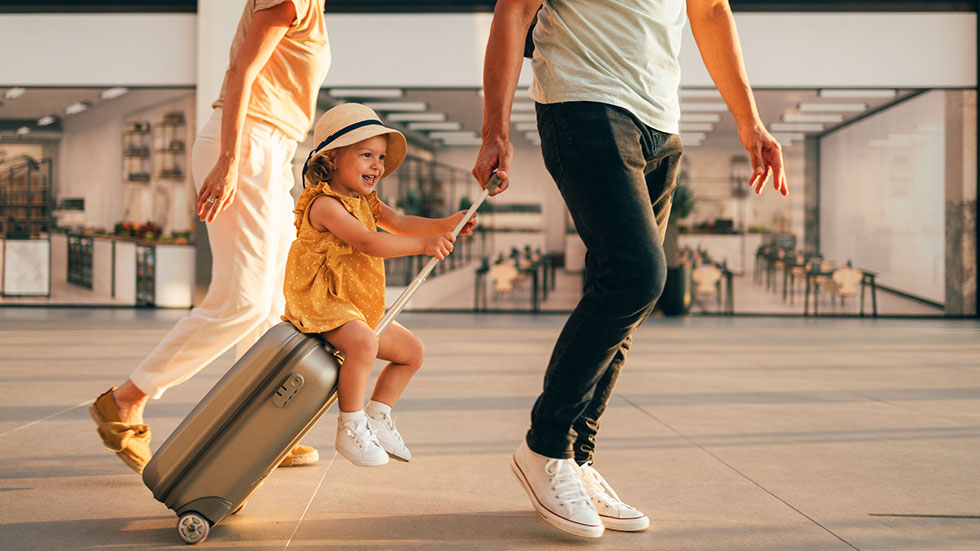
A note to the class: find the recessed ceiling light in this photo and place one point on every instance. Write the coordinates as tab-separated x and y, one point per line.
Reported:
813	117
788	136
399	106
698	107
434	125
911	137
14	93
23	130
834	107
526	126
420	117
76	108
700	117
532	135
857	93
113	92
796	127
444	135
522	106
463	140
523	117
692	136
697	127
45	120
366	92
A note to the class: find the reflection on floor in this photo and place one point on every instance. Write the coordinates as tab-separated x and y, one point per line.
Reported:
64	293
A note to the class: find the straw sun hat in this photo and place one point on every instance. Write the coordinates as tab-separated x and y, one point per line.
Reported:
350	123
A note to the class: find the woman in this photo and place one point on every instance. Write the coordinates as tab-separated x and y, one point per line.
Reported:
242	164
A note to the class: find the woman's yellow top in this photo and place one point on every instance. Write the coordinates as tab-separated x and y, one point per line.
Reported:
328	282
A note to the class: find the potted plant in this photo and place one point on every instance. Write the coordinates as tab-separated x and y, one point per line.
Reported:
676	298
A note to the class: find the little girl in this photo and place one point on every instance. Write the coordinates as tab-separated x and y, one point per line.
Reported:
335	281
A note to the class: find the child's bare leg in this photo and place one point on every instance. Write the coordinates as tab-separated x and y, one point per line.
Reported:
404	352
360	347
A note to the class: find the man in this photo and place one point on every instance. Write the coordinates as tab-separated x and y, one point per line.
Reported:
606	77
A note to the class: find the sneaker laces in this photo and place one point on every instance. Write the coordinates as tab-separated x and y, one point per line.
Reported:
361	434
390	423
599	484
566	483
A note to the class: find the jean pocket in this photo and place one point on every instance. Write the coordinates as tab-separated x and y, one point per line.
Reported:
552	140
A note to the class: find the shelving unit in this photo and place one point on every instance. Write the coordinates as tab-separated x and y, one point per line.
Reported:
25	191
145	275
136	152
80	252
169	146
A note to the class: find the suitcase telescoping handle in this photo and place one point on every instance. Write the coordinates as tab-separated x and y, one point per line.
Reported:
409	291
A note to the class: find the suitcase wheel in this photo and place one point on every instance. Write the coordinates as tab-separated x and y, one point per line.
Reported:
193	528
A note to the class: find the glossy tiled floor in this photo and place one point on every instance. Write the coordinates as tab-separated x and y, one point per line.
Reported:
731	434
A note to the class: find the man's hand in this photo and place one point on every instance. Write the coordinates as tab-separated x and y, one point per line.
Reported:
494	154
767	159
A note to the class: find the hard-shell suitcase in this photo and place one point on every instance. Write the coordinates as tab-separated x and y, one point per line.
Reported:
243	428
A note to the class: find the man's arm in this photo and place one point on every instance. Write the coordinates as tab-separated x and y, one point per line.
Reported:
501	69
714	30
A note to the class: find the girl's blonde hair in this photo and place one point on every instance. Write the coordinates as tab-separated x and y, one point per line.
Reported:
323	166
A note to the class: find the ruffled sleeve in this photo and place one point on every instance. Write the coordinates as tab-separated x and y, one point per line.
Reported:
323	188
375	204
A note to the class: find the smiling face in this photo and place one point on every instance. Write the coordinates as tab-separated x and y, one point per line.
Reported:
360	167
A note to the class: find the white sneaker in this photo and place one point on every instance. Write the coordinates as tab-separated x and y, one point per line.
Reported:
357	443
615	514
388	436
557	491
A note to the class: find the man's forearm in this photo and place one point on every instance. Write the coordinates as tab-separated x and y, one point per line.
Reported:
714	31
502	66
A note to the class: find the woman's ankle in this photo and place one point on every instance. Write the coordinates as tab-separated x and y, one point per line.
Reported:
130	402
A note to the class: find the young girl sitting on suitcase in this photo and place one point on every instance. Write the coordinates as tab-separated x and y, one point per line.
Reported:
335	280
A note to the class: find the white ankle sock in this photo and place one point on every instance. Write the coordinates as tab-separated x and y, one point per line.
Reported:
346	416
377	409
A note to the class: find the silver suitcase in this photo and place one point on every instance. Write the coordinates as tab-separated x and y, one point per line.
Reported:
244	427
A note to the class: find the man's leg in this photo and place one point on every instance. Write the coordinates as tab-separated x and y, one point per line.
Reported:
596	153
661	175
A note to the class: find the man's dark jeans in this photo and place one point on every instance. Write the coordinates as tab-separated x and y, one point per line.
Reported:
617	178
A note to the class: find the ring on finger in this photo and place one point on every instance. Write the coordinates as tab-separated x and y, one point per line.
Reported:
211	199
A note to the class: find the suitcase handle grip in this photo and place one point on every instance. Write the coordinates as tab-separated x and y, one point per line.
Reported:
409	291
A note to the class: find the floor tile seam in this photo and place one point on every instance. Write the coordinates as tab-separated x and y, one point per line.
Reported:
66	410
310	502
731	467
946	420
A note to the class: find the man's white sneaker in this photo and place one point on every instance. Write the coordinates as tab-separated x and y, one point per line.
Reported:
557	491
615	514
357	443
391	440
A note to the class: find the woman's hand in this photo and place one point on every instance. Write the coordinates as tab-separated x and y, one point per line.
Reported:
454	220
439	246
218	190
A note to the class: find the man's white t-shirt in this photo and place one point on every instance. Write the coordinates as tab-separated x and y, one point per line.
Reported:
619	52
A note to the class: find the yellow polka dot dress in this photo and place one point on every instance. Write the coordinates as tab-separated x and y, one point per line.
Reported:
328	282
